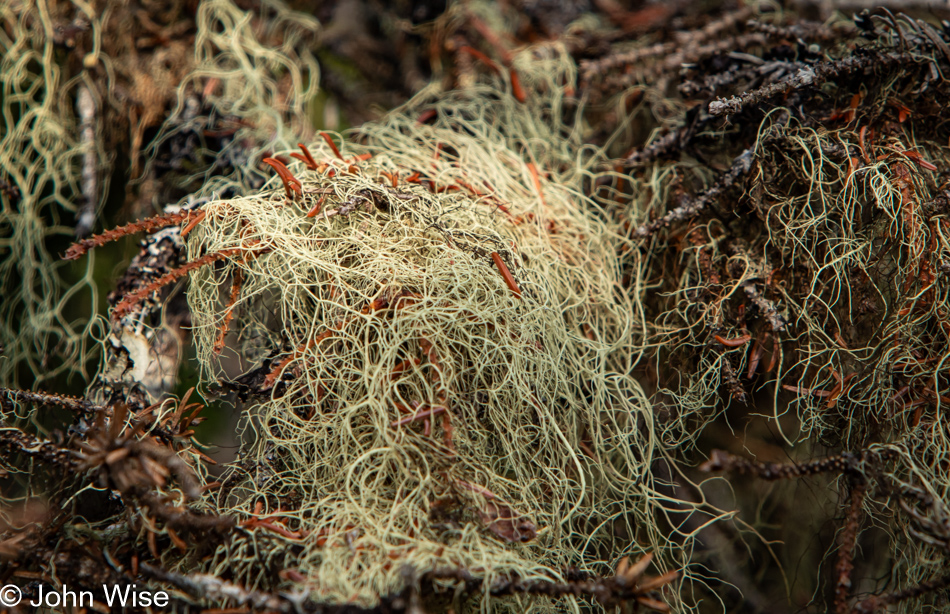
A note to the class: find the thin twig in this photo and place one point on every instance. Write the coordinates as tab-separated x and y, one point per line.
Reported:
847	540
740	166
877	602
129	302
236	283
724	461
44	398
149	224
806	77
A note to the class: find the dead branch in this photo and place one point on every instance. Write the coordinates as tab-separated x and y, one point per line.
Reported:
847	540
740	167
74	404
808	77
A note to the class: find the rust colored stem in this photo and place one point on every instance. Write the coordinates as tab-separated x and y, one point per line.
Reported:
506	274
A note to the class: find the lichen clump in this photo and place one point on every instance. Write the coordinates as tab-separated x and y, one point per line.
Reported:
411	409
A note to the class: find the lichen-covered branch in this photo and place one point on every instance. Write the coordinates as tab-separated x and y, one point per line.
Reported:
691	207
807	77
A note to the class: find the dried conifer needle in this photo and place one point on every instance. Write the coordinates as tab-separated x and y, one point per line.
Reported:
290	182
278	368
375	305
403	366
516	89
427	116
194	222
306	157
393	177
472	189
755	356
329	140
419	416
733	343
537	181
774	358
481	57
491	37
315	210
919	159
506	274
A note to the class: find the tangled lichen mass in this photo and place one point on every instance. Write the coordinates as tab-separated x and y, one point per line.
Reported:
620	306
420	410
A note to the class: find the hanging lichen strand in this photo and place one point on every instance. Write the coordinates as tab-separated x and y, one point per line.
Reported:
73	96
39	186
440	356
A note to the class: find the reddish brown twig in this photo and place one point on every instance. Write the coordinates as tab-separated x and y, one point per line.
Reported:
147	225
740	166
236	283
811	77
609	591
877	602
45	398
129	301
15	441
847	540
723	461
731	380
